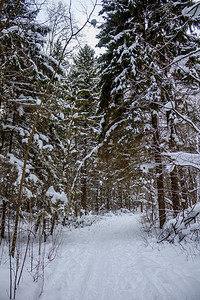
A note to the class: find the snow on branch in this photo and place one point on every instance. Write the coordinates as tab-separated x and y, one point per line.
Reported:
95	150
193	11
112	128
56	195
170	106
187	120
185	225
181	60
81	163
184	159
19	166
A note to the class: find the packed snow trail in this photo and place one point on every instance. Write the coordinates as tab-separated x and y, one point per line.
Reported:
110	261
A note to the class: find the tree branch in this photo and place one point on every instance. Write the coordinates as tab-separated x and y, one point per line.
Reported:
11	14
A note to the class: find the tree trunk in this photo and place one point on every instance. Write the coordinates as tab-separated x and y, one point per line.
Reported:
2	140
173	174
84	188
141	207
53	221
175	190
184	192
12	133
108	200
3	222
37	224
97	199
159	170
44	229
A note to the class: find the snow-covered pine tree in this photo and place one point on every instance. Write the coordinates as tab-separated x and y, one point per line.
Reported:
82	96
143	41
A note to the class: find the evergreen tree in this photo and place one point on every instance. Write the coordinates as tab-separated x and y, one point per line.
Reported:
82	97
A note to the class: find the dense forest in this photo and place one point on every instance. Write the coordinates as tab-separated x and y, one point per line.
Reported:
81	134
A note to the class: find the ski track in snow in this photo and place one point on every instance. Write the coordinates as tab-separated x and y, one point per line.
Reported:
109	261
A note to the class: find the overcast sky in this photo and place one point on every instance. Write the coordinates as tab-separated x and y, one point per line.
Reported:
80	9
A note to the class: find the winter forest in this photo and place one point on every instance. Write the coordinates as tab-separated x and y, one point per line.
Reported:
89	141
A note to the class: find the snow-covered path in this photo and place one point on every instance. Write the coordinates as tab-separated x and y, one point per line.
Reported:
109	261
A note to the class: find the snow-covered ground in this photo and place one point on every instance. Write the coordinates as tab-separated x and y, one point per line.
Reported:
110	261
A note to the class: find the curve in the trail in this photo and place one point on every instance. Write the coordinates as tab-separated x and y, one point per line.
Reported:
109	261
